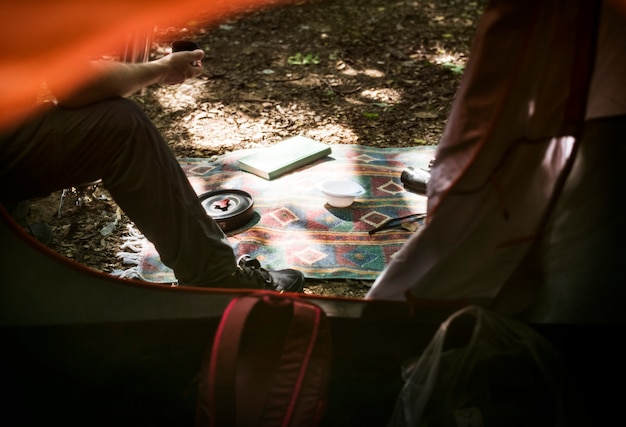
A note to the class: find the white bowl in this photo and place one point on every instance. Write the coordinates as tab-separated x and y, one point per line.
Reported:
341	193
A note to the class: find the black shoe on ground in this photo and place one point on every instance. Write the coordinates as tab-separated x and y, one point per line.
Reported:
251	275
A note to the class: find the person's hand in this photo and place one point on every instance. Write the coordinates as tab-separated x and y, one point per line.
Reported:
180	66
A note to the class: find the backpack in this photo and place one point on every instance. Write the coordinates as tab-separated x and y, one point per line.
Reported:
269	364
485	369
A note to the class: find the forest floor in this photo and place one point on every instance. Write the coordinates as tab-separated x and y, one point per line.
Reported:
372	72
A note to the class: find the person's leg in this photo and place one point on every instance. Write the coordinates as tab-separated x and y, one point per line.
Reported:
115	141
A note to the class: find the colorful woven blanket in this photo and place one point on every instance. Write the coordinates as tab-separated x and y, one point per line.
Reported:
293	227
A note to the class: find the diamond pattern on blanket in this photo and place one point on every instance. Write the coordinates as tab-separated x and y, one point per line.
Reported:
310	256
284	216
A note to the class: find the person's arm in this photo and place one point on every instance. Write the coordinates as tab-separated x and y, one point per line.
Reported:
117	79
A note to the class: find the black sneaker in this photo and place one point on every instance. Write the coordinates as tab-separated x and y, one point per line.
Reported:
251	275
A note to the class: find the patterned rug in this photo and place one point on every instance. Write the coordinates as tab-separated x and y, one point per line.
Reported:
293	227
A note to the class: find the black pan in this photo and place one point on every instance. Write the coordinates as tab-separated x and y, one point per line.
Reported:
231	209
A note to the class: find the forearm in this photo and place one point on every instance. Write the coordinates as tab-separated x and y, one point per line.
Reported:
115	79
112	79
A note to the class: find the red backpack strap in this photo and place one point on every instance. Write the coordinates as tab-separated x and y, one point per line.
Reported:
268	364
291	397
224	354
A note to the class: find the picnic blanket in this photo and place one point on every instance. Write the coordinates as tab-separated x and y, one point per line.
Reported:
293	227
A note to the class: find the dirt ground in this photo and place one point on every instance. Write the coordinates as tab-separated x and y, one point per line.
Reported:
372	72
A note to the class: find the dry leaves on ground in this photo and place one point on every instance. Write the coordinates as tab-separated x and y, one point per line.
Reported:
369	72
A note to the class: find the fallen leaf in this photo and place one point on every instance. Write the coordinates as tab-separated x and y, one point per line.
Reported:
426	115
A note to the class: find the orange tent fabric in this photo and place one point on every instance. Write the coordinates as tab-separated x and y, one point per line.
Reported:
51	38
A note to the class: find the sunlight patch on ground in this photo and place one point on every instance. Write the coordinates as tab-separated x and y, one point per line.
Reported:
444	57
333	133
384	95
370	72
211	132
229	128
182	97
453	60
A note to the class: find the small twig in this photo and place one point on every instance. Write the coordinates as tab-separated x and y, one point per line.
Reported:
351	91
327	83
340	92
239	100
292	79
258	100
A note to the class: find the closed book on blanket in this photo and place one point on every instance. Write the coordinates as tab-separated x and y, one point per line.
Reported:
287	155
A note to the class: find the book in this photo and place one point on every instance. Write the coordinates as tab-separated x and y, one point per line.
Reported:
285	156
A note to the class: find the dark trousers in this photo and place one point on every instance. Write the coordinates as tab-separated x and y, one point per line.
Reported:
116	142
